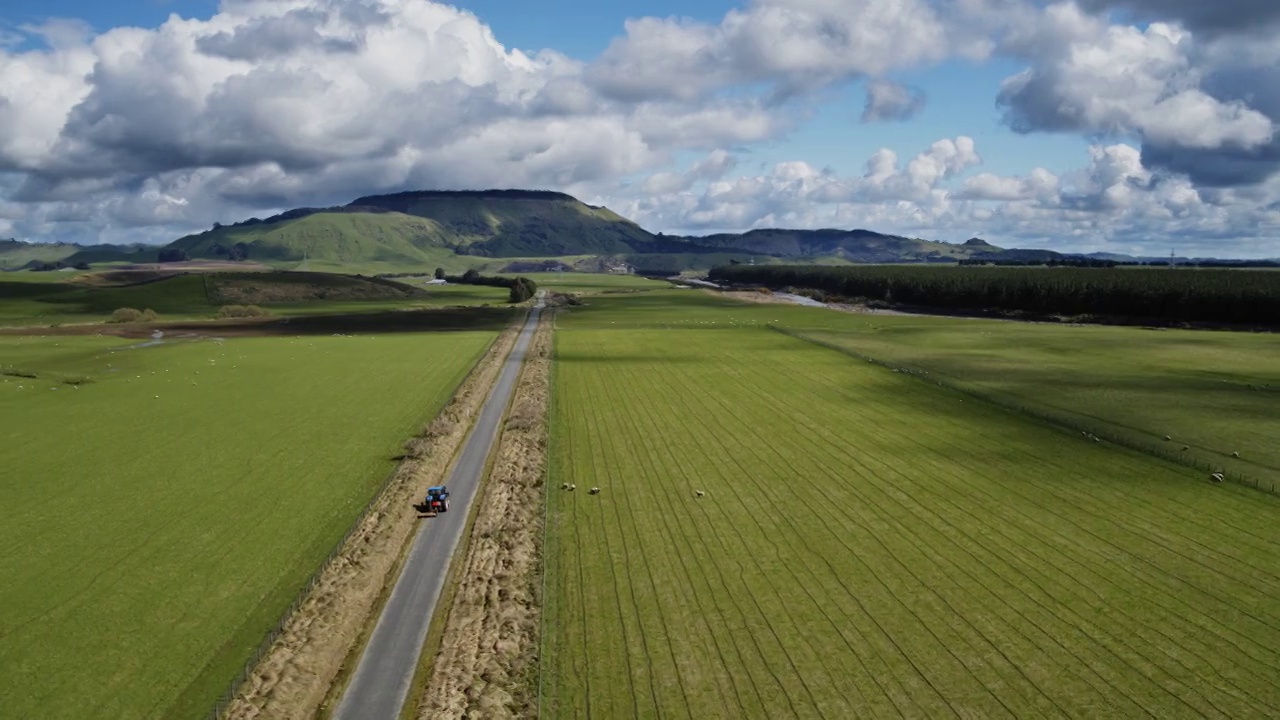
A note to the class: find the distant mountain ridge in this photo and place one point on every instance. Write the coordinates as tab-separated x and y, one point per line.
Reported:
17	254
446	227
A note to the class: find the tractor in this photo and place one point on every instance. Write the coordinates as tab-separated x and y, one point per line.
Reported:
436	502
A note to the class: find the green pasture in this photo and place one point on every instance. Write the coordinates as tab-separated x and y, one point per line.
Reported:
162	514
186	297
1213	393
871	544
44	303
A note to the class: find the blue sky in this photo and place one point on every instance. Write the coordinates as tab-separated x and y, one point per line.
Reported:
103	15
671	124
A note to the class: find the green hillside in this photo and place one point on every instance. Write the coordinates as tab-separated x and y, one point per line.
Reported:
337	237
426	229
516	223
15	254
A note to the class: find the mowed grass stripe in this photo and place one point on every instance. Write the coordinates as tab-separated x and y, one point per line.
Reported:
623	573
621	506
765	501
1166	519
772	498
677	482
952	544
926	559
1155	628
986	672
812	666
731	679
971	660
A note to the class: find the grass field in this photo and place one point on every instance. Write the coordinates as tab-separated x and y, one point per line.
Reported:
1215	393
160	517
194	296
25	303
871	545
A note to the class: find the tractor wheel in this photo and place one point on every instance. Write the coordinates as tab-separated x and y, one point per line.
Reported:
444	506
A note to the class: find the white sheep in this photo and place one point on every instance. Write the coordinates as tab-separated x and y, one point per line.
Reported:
564	486
594	491
698	493
1166	437
1216	477
573	487
1235	455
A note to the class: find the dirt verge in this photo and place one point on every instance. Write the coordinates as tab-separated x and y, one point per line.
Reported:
293	679
490	640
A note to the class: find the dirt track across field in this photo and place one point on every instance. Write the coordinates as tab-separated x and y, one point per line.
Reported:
490	642
294	678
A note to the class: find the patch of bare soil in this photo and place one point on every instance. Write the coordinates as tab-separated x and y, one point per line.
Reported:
125	277
751	296
490	642
293	679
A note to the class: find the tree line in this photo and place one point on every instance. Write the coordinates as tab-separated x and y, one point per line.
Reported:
1180	295
522	288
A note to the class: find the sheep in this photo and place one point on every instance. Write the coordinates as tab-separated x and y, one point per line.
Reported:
1235	455
1186	447
594	491
1216	477
699	493
564	486
573	487
1167	438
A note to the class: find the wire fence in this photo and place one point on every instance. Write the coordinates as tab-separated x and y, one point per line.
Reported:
1060	420
228	696
224	701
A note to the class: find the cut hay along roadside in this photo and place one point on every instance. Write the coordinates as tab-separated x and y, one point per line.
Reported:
385	673
315	645
871	546
173	508
489	646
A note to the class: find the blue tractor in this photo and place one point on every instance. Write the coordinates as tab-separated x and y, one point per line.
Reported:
437	500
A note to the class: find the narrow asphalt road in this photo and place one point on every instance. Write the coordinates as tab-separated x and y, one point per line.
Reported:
381	681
